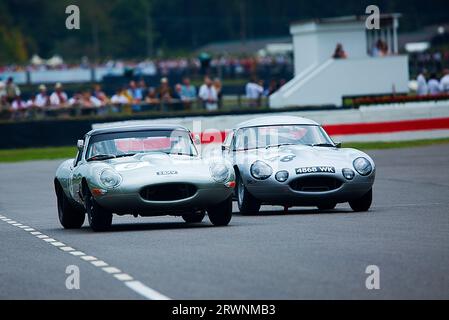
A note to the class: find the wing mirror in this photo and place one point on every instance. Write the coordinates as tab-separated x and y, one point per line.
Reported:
80	145
338	145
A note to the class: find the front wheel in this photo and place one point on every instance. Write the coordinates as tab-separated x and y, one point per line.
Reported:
221	214
195	217
70	216
99	218
247	203
362	204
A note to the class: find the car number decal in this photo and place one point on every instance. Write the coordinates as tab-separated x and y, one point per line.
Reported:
315	170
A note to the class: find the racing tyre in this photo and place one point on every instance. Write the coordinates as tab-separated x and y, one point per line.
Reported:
221	214
362	204
69	215
327	206
196	217
248	205
99	218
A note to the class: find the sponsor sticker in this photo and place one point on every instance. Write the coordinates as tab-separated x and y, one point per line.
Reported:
315	170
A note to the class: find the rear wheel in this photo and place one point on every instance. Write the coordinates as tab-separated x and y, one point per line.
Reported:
327	206
99	218
69	215
248	205
195	217
221	214
364	203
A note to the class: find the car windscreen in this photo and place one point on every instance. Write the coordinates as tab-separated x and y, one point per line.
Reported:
132	142
266	136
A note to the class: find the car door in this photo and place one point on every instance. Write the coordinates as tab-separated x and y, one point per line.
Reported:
76	176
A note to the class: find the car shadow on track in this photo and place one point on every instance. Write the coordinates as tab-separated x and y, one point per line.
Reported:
315	212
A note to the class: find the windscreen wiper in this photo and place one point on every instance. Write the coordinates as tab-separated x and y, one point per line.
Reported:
125	155
323	145
101	157
279	145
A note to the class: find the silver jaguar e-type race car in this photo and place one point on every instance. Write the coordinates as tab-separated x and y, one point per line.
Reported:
142	170
291	161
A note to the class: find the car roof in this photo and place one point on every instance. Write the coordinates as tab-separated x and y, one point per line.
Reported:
120	129
275	120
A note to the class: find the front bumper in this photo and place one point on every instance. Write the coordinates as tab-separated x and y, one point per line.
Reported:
128	200
271	191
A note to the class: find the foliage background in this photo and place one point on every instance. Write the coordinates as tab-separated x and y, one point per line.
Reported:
138	28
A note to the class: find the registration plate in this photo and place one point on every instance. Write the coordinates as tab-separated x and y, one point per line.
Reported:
315	170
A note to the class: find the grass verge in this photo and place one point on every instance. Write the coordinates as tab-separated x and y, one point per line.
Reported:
51	153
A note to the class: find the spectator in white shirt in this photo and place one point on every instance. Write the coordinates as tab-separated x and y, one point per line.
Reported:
422	84
208	95
119	97
254	92
89	101
18	104
42	99
444	82
433	84
59	97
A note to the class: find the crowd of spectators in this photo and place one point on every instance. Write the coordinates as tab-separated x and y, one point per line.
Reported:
135	95
431	84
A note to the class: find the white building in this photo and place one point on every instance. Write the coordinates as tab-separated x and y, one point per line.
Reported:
322	80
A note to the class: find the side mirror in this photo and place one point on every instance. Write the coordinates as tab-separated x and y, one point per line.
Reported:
197	139
80	145
338	145
223	148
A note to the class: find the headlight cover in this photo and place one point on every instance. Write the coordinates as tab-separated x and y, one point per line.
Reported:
219	171
348	173
110	178
362	166
260	170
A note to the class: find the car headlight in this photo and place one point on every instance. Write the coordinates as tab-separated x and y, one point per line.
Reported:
219	171
260	170
362	166
281	176
110	178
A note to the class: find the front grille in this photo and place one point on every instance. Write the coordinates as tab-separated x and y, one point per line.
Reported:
168	192
315	184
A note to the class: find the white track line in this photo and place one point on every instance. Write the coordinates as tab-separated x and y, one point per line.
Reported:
125	278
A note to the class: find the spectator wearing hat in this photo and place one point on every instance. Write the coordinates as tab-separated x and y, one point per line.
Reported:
42	98
165	94
59	97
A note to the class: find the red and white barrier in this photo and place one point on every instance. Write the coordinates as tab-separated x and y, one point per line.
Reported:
410	121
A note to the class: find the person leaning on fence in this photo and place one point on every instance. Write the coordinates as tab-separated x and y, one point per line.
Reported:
422	88
444	82
433	84
3	102
42	98
188	93
165	94
254	92
11	90
219	88
59	97
208	95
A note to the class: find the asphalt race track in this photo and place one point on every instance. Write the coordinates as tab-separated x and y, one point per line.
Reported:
300	255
